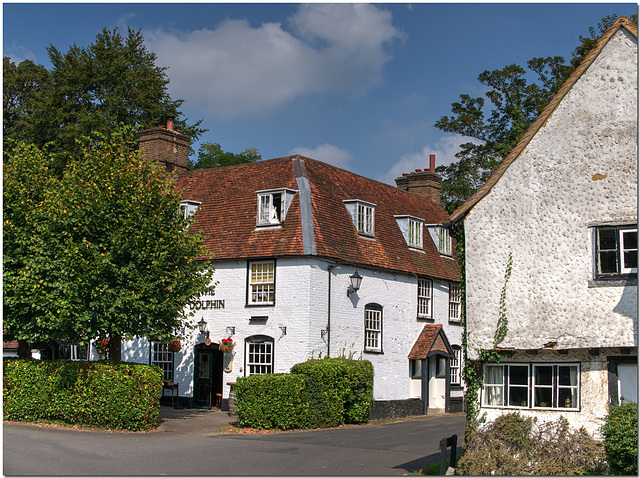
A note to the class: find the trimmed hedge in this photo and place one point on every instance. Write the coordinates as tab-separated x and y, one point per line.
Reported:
620	432
271	401
316	394
95	394
339	390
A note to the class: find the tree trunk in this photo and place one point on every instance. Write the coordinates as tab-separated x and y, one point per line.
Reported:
115	347
24	351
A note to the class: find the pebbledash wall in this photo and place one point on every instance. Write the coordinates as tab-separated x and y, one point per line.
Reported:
304	289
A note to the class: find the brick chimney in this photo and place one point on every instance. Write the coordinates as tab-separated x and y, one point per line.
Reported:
425	183
165	146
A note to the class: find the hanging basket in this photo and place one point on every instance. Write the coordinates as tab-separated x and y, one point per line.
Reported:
174	347
226	348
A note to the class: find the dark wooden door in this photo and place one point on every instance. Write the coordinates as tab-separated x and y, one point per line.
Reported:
207	377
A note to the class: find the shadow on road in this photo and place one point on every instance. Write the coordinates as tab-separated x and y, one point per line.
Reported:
416	465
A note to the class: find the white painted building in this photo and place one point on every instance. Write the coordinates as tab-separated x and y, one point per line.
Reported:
285	235
563	207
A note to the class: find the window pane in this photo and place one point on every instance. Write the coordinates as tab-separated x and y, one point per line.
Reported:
493	395
519	375
493	375
519	396
607	239
568	375
567	398
630	239
543	375
630	260
543	397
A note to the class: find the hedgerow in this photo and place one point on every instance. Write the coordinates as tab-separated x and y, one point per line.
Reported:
620	432
94	394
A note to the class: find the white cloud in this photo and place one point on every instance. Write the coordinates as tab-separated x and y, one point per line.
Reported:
18	53
326	153
445	150
234	69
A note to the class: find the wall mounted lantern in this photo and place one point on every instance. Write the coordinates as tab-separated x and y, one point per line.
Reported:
355	281
202	326
283	328
231	330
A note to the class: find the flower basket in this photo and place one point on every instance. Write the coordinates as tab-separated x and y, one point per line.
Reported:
175	346
226	345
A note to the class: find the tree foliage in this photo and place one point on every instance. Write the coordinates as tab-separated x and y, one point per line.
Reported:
515	102
112	81
211	155
101	252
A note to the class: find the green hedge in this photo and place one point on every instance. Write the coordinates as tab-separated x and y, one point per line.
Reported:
271	401
339	390
95	394
317	393
620	432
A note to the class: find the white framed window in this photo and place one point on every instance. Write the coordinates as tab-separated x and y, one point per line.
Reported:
262	285
74	352
415	233
425	291
537	386
163	358
373	328
455	303
269	208
455	367
363	216
416	368
616	251
444	241
188	208
364	223
259	359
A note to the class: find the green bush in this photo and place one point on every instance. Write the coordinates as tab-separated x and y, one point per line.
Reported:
620	432
271	401
338	390
515	445
96	394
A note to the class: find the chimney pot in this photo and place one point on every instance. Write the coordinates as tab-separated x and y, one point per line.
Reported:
418	170
432	162
405	174
170	124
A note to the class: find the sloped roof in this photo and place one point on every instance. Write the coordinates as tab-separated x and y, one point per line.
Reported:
431	339
227	216
620	23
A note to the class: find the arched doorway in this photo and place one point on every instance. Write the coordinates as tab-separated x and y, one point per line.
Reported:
207	375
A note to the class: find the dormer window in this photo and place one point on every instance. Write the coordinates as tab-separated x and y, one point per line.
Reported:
362	215
441	237
273	206
411	228
188	208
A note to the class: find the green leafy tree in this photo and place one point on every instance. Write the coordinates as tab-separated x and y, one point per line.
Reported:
102	252
515	103
112	81
210	155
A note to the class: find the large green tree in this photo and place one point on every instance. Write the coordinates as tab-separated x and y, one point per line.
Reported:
112	81
211	155
101	252
514	102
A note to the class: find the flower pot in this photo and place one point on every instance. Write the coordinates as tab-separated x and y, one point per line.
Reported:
175	348
226	348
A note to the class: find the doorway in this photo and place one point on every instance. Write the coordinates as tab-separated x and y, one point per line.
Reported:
207	390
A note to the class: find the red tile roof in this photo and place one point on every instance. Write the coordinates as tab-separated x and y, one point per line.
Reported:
227	216
431	339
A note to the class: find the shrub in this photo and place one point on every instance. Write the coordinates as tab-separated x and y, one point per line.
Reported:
620	432
338	390
515	445
97	394
271	401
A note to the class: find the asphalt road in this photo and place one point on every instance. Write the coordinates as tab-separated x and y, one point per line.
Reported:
374	450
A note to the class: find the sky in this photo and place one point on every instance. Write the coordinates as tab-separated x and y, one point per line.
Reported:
359	86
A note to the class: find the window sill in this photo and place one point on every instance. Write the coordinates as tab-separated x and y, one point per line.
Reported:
425	319
270	304
268	227
377	352
455	322
613	282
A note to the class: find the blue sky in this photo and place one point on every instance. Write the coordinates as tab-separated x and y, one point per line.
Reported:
355	85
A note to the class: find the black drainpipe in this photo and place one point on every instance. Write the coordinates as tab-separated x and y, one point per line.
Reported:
329	269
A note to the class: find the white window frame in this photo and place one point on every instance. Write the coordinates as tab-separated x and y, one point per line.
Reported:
444	241
163	358
425	302
270	210
455	368
415	233
373	328
261	288
188	208
505	387
455	303
620	250
259	358
365	219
